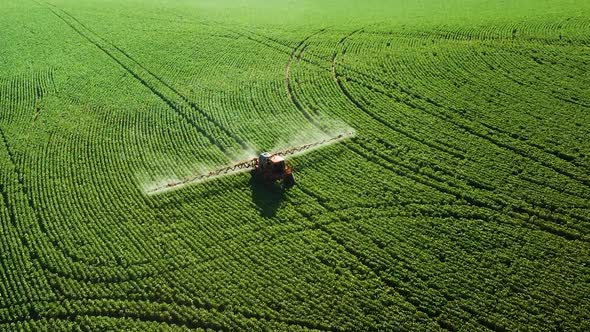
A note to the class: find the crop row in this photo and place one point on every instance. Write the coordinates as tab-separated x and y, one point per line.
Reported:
418	222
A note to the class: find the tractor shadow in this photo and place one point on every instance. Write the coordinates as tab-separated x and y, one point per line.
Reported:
267	198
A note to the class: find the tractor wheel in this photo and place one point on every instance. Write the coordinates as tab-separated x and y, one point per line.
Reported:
289	181
256	175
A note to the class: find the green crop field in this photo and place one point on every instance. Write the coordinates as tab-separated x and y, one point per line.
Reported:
460	203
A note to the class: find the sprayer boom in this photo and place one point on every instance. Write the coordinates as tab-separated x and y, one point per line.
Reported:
267	167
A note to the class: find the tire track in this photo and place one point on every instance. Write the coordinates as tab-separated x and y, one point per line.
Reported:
183	97
479	186
193	304
441	185
294	53
6	201
246	313
288	86
27	195
362	260
464	64
178	109
407	172
389	96
474	184
470	183
37	255
360	106
523	153
447	118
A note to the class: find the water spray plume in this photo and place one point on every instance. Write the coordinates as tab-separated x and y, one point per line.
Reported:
244	165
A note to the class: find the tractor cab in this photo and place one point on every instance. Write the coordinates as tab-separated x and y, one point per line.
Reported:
271	168
278	164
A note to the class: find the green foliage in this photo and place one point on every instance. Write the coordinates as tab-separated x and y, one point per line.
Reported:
463	201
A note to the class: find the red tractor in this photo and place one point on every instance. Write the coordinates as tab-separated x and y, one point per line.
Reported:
270	168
